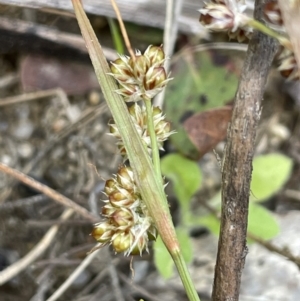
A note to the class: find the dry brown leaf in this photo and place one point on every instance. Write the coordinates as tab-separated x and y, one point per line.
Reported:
43	73
208	128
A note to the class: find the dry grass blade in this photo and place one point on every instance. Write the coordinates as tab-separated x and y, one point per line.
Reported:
123	29
73	276
48	191
16	268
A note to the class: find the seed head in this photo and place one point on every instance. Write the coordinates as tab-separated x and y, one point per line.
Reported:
155	55
121	241
127	226
241	34
216	17
143	76
139	117
288	66
272	13
103	232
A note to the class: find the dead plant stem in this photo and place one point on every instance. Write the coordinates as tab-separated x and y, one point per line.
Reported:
123	29
237	168
48	191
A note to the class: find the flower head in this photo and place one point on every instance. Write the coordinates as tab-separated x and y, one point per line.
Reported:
127	225
139	116
288	66
143	76
272	13
217	16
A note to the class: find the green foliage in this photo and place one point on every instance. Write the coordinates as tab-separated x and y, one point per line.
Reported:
185	243
185	175
197	86
162	259
270	172
210	221
116	35
261	222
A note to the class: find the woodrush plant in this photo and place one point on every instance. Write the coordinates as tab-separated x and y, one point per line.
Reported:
136	206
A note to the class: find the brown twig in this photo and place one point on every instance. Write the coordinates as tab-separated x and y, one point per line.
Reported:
48	191
237	167
87	261
271	247
123	29
138	288
22	29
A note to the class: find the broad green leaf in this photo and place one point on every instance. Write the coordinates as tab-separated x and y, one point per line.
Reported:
199	84
261	222
162	258
270	172
185	175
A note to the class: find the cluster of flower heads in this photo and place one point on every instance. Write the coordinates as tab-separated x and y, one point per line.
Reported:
139	117
218	16
272	13
127	226
140	77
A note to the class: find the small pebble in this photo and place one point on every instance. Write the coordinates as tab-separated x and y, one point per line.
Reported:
25	150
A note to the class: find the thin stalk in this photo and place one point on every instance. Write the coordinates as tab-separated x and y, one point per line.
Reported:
153	138
270	32
117	39
123	29
185	276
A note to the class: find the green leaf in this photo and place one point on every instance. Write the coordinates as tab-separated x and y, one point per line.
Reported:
116	35
162	259
210	222
261	222
185	244
185	175
270	172
198	85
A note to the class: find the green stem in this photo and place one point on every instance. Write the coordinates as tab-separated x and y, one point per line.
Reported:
185	277
116	36
270	32
153	138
